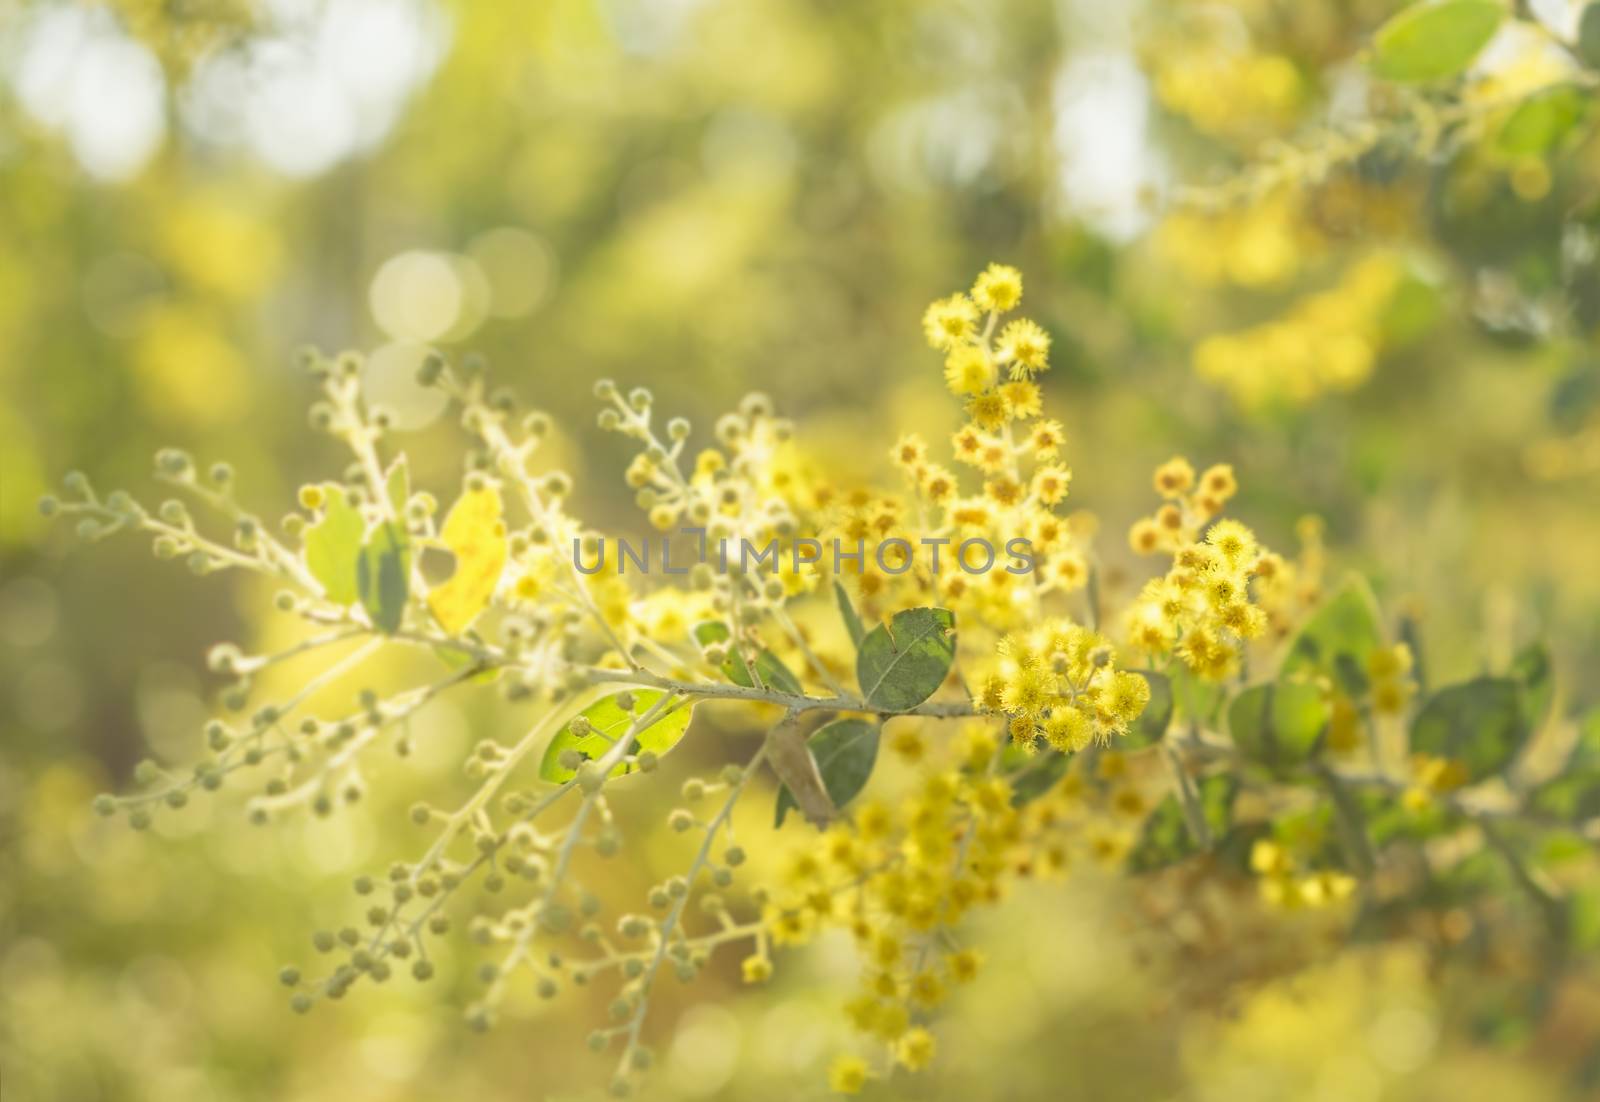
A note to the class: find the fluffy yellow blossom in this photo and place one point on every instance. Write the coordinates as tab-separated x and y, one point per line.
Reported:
1327	342
969	370
1050	484
915	1050
1059	681
1024	347
1046	438
848	1075
949	321
998	289
989	410
1021	398
910	451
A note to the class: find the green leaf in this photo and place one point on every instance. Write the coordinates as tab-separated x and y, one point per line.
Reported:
456	659
1041	776
1479	723
1194	698
847	612
333	546
1348	814
1346	624
768	666
1574	793
383	577
1434	39
902	663
1278	724
397	487
1583	918
1166	839
1151	726
845	752
1531	669
609	721
1542	120
1589	36
1390	820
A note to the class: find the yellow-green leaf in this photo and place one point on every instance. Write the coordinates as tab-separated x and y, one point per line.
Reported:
607	721
383	577
333	546
1435	39
475	533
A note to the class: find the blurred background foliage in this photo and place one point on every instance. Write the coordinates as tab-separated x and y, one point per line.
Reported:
712	196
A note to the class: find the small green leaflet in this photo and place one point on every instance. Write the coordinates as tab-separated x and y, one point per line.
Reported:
1434	39
1166	840
845	752
383	577
397	487
609	722
1043	772
1574	793
901	664
1589	35
1194	699
768	666
1542	120
1531	669
847	612
333	545
1278	724
1347	624
1479	723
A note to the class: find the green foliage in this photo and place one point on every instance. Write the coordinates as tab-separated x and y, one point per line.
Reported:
383	577
1167	837
904	662
1479	723
606	721
1278	724
1532	671
845	752
333	546
397	486
1589	35
1346	627
1037	775
1543	120
1574	793
1434	39
766	666
1194	698
847	612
